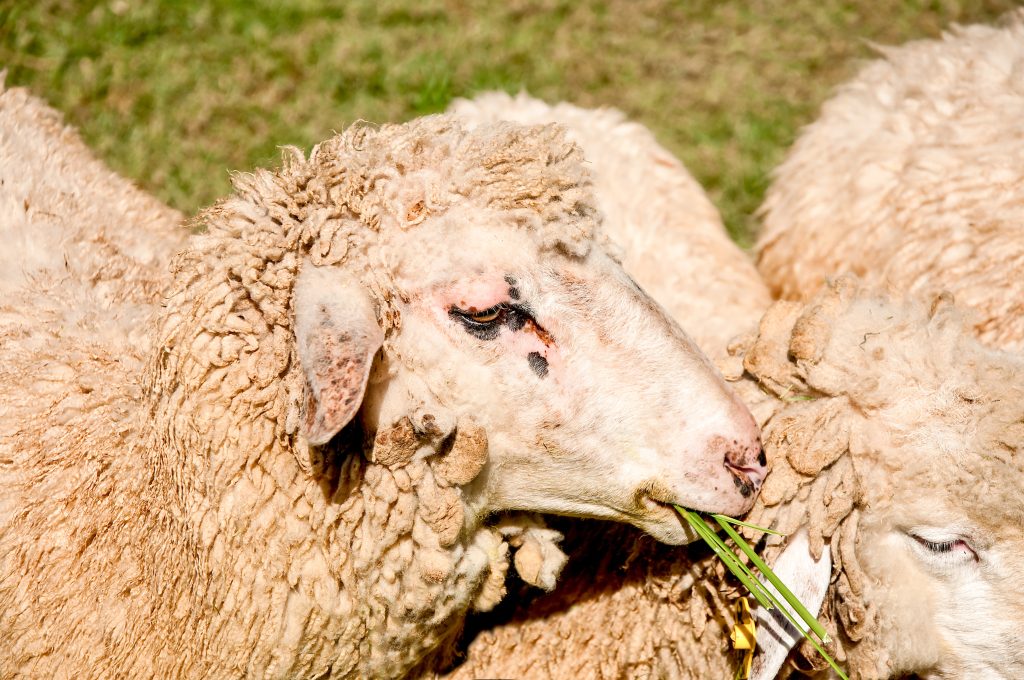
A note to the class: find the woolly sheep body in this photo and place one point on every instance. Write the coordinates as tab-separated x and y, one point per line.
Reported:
63	212
853	411
151	583
81	270
199	535
913	177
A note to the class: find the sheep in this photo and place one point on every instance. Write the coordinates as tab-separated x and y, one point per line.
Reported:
896	444
913	176
368	355
63	211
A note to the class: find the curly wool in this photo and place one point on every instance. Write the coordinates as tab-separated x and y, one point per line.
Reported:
852	446
913	176
655	214
200	535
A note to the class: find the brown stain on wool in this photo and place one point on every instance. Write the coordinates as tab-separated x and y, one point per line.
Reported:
531	326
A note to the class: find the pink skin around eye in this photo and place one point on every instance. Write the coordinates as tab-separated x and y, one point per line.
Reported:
474	296
481	294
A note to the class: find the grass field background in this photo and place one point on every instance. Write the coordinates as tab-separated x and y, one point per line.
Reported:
176	93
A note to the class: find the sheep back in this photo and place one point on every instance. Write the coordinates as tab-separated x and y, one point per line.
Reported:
913	177
64	213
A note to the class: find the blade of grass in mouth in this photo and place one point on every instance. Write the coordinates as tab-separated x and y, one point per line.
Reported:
764	596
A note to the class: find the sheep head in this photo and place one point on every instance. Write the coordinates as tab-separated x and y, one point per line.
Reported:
426	281
899	443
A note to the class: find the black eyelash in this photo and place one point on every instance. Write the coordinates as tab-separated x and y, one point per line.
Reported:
509	314
484	330
944	547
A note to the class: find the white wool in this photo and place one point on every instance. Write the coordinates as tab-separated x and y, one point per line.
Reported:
68	220
913	178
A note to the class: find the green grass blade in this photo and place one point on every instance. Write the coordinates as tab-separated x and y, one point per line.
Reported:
764	596
811	622
733	520
786	593
729	559
792	619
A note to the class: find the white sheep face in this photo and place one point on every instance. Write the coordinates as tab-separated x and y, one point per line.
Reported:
945	567
944	563
594	403
913	435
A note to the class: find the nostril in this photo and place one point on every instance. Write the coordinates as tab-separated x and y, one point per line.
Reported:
748	466
744	458
742	485
749	458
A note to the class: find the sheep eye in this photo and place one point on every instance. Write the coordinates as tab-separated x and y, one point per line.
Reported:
952	549
485	325
486	316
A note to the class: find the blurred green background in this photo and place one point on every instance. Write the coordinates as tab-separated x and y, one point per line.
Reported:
176	93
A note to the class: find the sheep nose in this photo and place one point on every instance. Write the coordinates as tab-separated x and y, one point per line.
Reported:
747	464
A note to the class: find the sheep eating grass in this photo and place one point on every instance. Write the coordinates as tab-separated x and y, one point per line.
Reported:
896	442
368	354
905	464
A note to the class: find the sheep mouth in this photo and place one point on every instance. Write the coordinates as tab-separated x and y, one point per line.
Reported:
656	504
661	520
658	508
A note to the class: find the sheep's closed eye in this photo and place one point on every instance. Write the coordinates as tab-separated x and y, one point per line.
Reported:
942	549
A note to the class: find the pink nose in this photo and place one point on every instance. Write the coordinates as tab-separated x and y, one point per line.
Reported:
747	463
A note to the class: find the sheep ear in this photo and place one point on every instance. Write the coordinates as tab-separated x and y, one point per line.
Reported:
808	578
336	337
